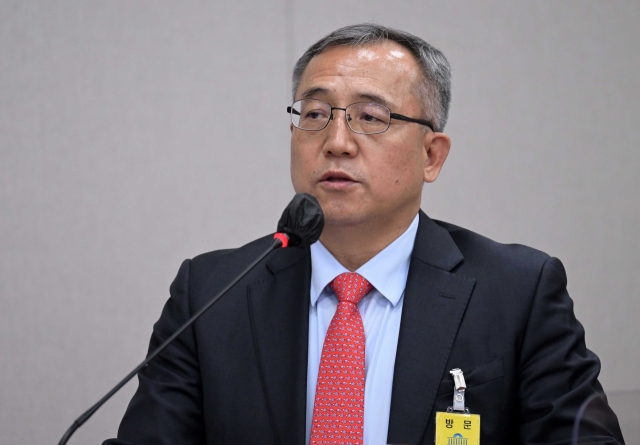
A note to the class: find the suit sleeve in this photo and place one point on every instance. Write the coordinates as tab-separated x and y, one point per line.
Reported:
558	373
167	407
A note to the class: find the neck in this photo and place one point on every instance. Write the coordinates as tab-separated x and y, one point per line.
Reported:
354	245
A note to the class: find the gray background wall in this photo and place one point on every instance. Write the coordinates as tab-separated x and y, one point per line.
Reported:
125	148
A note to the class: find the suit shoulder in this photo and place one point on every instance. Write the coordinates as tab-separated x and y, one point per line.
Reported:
477	248
232	257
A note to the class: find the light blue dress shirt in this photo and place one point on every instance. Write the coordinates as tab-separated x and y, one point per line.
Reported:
380	309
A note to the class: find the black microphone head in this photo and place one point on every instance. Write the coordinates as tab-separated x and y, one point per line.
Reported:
302	220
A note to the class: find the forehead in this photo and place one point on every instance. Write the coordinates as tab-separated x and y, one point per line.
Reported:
383	69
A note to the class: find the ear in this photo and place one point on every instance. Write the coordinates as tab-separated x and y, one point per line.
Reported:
291	127
437	146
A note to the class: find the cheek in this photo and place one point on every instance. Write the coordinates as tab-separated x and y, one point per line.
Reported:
297	172
402	168
302	168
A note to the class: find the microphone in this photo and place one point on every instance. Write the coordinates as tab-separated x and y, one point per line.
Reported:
300	226
302	221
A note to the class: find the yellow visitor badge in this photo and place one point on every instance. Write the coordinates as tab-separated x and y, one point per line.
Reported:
457	429
457	426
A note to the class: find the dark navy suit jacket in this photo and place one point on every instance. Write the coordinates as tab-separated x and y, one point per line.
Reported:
499	312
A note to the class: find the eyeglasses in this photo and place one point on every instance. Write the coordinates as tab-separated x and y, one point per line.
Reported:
362	117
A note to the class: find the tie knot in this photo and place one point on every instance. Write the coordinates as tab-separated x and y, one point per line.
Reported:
351	287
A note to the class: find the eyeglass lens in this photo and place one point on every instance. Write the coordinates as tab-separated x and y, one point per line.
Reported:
362	117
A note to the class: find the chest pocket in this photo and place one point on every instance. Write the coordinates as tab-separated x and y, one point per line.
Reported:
475	376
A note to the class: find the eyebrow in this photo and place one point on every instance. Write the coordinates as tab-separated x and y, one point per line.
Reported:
313	91
307	94
375	98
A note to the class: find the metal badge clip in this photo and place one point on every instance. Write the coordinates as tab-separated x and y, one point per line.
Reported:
459	386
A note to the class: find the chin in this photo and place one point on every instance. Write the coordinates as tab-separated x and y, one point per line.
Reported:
342	211
342	217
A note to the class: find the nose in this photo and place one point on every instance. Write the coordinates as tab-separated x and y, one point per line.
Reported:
340	140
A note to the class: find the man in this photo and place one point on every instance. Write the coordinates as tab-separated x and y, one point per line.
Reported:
370	104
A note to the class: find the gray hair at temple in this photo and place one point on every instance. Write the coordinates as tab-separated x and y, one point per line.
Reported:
434	92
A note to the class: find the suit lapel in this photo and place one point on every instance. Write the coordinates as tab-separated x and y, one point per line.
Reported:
434	302
279	313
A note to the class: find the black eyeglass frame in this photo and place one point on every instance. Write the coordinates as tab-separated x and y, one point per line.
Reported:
392	115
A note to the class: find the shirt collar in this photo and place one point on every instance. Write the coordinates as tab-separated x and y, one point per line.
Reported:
387	271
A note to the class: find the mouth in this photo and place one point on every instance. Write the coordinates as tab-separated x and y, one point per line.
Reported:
336	177
337	181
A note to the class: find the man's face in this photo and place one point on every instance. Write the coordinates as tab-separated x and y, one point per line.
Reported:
361	178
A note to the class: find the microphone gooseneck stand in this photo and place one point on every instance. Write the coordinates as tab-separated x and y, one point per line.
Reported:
300	225
276	243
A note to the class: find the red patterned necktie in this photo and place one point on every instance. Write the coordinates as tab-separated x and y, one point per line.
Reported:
338	411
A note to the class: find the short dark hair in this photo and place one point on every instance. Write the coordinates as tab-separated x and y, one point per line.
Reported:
434	91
